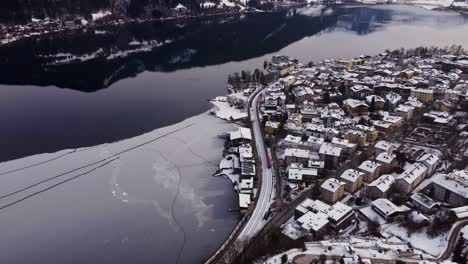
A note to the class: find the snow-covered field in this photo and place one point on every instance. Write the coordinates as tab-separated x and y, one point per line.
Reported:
101	14
225	111
419	240
429	4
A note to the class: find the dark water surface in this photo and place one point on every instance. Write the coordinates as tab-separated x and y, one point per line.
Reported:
136	78
47	107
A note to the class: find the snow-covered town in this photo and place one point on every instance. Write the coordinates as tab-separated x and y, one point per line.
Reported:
369	156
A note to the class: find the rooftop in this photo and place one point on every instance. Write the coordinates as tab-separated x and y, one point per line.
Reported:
383	145
329	149
383	183
294	152
388	208
369	166
351	175
413	173
456	182
332	184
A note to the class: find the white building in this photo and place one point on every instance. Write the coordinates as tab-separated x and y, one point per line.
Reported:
451	188
330	154
387	209
431	161
296	155
383	146
411	177
380	188
371	170
297	172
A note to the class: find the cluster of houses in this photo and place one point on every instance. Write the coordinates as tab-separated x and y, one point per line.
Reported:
239	165
326	114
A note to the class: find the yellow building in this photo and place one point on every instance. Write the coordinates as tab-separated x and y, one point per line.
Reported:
286	69
370	170
355	107
407	73
356	136
346	63
353	180
332	190
371	132
271	127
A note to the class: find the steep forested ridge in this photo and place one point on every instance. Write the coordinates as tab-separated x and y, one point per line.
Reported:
20	11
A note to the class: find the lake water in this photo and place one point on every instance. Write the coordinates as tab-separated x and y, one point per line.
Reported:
47	105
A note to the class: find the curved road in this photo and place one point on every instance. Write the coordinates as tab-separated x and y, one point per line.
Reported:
256	221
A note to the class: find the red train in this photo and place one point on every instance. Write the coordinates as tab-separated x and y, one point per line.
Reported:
268	160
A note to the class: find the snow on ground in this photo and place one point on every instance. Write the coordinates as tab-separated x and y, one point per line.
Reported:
464	231
226	3
419	240
225	111
314	11
226	166
292	229
375	2
65	58
146	46
180	7
100	32
101	14
461	4
207	4
430	4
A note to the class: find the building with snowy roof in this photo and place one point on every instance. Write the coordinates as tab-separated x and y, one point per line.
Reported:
246	185
411	177
338	214
353	179
297	172
291	141
244	202
332	190
314	222
370	169
314	143
387	161
356	107
295	155
330	154
380	188
405	111
347	147
383	146
431	161
423	203
241	136
387	209
451	188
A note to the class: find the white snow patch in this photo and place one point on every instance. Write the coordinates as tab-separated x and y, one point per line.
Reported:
180	7
101	14
225	111
226	3
420	240
207	4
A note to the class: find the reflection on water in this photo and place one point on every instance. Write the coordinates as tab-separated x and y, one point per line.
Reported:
134	75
